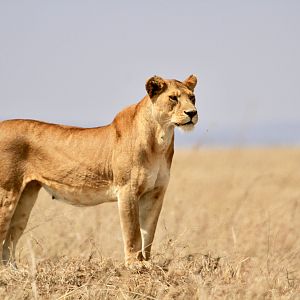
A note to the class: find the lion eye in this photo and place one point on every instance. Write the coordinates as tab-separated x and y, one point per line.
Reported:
193	99
174	98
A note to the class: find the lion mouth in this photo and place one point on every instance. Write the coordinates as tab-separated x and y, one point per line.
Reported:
184	124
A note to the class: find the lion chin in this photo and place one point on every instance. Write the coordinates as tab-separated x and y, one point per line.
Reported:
185	127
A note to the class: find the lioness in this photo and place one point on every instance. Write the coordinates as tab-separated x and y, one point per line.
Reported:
127	161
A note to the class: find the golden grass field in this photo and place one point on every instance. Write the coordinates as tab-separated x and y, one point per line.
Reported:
229	229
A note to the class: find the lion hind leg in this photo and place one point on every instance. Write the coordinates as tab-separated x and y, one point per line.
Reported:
8	202
19	221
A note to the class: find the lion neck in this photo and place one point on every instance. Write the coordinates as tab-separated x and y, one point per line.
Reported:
161	136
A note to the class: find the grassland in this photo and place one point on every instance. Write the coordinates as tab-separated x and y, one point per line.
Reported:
229	229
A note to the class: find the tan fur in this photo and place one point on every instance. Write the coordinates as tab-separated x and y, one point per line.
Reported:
127	161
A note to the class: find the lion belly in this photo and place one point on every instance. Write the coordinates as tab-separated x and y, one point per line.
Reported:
81	196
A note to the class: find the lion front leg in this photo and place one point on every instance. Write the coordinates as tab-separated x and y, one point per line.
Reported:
129	219
149	209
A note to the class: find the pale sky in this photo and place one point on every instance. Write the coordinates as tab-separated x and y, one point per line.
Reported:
80	62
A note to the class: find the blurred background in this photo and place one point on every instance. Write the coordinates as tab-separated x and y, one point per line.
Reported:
80	62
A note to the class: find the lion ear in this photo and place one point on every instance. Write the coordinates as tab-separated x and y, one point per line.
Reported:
155	86
191	82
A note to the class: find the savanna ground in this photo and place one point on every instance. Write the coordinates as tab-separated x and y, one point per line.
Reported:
229	229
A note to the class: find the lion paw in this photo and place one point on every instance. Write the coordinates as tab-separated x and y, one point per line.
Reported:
138	266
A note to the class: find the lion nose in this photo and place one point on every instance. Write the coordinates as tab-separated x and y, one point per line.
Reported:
191	113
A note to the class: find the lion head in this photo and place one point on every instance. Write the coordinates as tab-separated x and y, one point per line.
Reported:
173	101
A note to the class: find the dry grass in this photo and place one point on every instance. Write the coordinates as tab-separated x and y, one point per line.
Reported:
229	229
